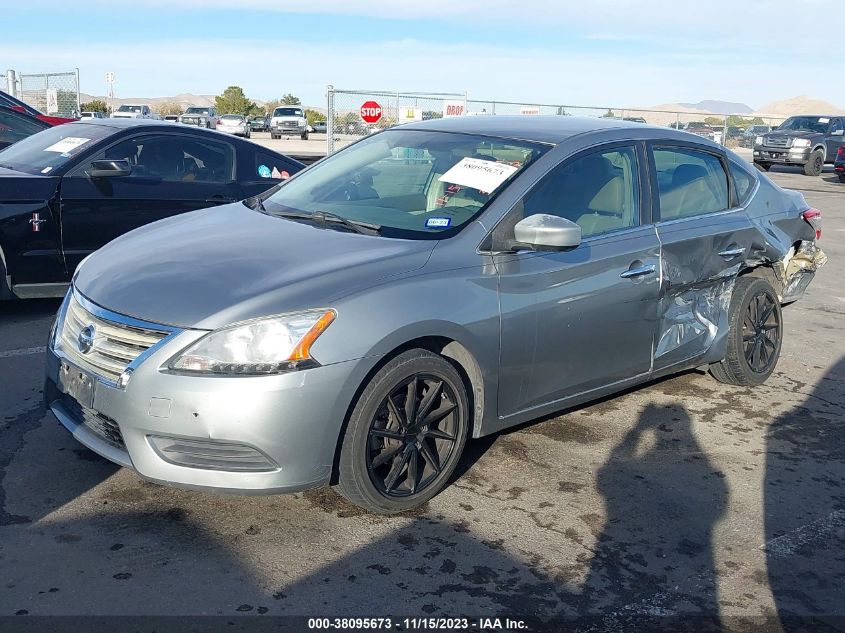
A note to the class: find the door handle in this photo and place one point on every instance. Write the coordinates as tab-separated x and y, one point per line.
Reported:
638	272
732	252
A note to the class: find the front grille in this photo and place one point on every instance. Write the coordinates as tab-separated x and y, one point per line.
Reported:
779	141
114	345
102	425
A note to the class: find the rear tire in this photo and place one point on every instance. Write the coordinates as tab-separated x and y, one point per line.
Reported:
815	165
763	166
755	334
841	177
405	435
304	136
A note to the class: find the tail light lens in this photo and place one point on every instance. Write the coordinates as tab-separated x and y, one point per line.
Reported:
814	219
841	152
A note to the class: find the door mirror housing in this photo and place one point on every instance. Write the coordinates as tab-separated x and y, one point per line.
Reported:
109	168
544	232
837	132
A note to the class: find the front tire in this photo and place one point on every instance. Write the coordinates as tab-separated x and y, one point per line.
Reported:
304	136
815	165
754	336
405	435
841	177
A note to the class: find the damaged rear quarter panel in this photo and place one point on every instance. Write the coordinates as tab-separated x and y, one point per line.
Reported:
787	244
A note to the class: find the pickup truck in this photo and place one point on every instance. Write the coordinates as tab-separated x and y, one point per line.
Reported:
131	111
200	116
804	141
289	120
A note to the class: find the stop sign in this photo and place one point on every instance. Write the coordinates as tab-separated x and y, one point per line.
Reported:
371	112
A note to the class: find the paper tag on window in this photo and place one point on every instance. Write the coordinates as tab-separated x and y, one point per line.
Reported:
484	175
824	120
67	144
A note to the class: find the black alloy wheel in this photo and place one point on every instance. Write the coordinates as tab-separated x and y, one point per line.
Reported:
412	435
405	434
761	333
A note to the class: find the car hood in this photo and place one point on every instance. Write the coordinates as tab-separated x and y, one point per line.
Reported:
288	118
217	266
792	133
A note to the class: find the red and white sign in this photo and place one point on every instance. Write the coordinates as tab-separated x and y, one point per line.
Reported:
454	108
530	111
371	112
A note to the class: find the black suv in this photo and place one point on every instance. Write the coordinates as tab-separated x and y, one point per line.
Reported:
805	141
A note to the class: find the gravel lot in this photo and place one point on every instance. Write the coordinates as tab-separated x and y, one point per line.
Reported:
682	497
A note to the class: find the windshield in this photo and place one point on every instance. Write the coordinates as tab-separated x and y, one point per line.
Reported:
808	123
287	112
196	111
129	108
410	184
53	148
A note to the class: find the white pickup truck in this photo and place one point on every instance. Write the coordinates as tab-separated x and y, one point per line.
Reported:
289	121
131	111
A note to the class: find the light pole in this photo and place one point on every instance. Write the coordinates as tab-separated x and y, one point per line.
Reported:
110	83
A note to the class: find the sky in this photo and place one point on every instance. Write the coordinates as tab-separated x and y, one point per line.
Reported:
589	52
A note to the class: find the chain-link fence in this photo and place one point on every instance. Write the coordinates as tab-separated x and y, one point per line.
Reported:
51	93
352	114
347	110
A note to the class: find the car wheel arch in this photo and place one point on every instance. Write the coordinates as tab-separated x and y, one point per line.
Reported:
452	350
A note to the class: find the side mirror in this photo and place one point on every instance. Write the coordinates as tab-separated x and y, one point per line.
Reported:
544	232
837	133
109	168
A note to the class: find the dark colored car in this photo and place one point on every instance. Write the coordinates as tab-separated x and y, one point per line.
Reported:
260	123
803	141
839	164
364	320
16	104
68	190
15	126
734	133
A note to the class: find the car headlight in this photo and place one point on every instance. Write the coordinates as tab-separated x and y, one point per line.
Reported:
269	345
758	140
801	142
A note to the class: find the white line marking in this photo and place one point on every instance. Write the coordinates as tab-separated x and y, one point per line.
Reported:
785	545
23	352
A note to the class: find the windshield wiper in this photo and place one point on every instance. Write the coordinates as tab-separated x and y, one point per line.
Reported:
364	228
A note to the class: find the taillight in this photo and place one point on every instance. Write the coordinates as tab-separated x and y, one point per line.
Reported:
814	219
841	152
219	122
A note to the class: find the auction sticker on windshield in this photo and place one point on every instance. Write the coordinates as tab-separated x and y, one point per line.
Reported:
484	175
67	144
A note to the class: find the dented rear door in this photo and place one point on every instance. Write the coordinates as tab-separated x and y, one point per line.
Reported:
704	244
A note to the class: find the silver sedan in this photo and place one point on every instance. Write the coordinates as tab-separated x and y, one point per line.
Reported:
430	284
234	124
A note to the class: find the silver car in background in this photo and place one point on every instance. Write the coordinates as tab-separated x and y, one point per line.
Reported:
432	283
234	124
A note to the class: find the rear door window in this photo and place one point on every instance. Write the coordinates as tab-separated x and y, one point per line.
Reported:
690	182
743	182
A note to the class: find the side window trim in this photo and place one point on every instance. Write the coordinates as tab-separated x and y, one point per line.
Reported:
683	145
642	199
736	203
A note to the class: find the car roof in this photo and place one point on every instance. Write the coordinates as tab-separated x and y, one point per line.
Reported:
550	129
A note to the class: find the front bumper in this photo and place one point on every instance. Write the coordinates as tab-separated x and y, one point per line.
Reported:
245	435
284	129
784	155
196	122
237	131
